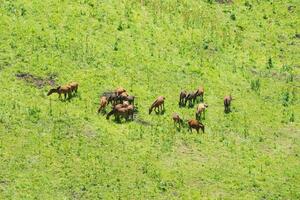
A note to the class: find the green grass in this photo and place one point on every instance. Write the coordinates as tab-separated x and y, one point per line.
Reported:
51	149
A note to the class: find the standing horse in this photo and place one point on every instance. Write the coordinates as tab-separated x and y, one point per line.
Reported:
177	120
66	90
159	104
191	98
227	103
201	109
103	103
182	97
200	93
194	124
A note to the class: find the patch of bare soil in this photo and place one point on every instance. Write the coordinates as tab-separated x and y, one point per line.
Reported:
37	81
224	1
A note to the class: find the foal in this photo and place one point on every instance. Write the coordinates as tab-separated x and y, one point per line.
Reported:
158	103
177	120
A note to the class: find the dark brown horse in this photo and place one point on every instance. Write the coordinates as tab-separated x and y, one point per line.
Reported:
159	104
195	124
182	97
191	98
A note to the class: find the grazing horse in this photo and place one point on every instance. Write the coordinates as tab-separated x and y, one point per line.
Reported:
227	102
103	103
66	90
119	91
158	103
121	110
191	97
129	98
200	93
177	120
111	97
201	109
74	86
182	97
194	124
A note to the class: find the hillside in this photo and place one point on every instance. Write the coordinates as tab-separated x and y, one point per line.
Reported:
53	149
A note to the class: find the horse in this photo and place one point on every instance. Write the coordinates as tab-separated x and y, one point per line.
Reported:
200	93
191	98
182	97
195	124
227	102
103	103
66	90
74	86
201	109
121	110
158	103
119	91
177	120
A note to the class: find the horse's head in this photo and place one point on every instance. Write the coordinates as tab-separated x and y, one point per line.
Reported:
53	90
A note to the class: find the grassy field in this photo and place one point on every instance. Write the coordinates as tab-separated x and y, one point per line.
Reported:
53	149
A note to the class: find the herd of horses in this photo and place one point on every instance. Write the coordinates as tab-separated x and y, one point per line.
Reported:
123	104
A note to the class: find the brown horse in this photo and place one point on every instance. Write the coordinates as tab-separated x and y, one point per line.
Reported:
103	103
158	104
121	110
200	93
74	86
201	109
194	124
182	97
227	102
119	91
66	90
177	120
128	98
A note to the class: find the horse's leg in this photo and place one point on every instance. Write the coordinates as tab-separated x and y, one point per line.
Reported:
65	94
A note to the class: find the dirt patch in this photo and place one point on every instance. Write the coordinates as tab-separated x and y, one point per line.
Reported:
142	122
37	81
224	1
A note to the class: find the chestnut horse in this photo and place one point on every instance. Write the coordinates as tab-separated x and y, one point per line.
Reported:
66	90
195	124
103	103
158	104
